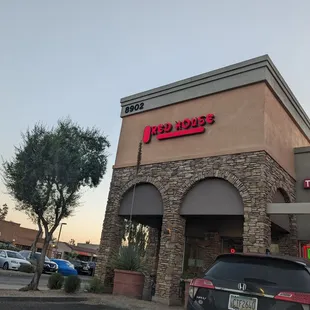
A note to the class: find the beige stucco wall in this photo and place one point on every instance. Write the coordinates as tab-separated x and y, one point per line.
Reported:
246	119
281	133
238	127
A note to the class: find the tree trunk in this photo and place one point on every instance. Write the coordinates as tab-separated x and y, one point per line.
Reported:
34	244
33	285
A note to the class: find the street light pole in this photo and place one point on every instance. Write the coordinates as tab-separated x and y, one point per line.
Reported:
60	234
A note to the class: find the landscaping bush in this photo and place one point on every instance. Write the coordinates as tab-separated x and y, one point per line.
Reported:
128	258
7	246
55	281
27	268
95	286
72	284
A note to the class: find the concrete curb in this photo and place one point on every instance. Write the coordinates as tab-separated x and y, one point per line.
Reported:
42	299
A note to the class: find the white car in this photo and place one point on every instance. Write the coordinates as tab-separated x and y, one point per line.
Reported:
11	260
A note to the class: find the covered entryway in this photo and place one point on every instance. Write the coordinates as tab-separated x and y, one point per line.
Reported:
213	209
144	202
300	210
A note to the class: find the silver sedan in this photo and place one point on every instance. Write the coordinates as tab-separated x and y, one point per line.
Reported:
11	260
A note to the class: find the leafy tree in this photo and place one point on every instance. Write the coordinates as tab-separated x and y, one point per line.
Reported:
4	211
87	242
48	172
34	219
71	256
72	242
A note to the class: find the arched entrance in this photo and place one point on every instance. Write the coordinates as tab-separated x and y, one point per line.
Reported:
213	209
144	202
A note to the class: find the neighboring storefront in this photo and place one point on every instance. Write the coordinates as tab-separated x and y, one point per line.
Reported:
217	154
21	237
82	251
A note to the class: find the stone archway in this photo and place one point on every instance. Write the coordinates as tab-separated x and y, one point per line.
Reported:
212	203
212	196
148	210
144	199
222	174
138	180
113	225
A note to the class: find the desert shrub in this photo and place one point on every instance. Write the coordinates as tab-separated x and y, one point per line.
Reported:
72	284
27	268
95	286
55	281
128	258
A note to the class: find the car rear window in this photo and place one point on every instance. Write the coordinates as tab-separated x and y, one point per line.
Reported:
275	271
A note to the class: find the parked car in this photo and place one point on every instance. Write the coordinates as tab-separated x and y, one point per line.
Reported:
12	260
48	267
252	281
81	266
65	267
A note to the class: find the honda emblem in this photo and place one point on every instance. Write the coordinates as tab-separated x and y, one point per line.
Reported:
242	286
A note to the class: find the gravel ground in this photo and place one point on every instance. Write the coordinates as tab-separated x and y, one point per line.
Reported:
118	302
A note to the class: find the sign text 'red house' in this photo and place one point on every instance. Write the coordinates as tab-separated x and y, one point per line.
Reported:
189	126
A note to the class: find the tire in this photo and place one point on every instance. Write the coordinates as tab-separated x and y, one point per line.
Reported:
5	266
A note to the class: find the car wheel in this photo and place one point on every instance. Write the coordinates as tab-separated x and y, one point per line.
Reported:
5	266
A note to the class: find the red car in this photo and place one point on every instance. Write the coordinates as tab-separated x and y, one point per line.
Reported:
252	282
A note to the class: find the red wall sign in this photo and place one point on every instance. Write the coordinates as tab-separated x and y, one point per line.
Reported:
307	183
189	126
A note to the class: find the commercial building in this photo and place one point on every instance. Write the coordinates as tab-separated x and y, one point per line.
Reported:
83	251
13	233
225	158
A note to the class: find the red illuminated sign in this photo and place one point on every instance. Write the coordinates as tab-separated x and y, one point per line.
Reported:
307	183
189	126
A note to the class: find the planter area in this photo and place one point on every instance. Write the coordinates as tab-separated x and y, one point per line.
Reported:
128	283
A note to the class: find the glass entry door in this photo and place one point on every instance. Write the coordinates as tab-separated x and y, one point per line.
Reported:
232	243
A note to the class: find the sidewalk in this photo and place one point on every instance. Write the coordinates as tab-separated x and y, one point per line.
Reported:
122	302
16	287
119	302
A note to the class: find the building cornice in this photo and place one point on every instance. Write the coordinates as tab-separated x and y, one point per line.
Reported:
256	70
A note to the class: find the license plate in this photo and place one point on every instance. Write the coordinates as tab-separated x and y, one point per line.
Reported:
237	302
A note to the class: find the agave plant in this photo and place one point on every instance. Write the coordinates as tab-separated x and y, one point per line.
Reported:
128	258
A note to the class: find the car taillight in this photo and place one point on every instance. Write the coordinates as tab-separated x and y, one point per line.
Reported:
301	298
192	291
199	283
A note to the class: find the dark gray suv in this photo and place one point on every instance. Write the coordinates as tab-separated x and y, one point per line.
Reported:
48	267
252	282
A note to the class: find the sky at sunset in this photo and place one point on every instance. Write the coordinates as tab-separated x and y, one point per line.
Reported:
78	58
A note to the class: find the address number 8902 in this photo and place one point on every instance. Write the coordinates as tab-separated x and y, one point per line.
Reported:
134	107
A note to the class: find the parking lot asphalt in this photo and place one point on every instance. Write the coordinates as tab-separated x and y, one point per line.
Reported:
51	306
14	280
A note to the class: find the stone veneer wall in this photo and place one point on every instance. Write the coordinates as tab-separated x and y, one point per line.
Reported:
256	175
151	261
288	244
